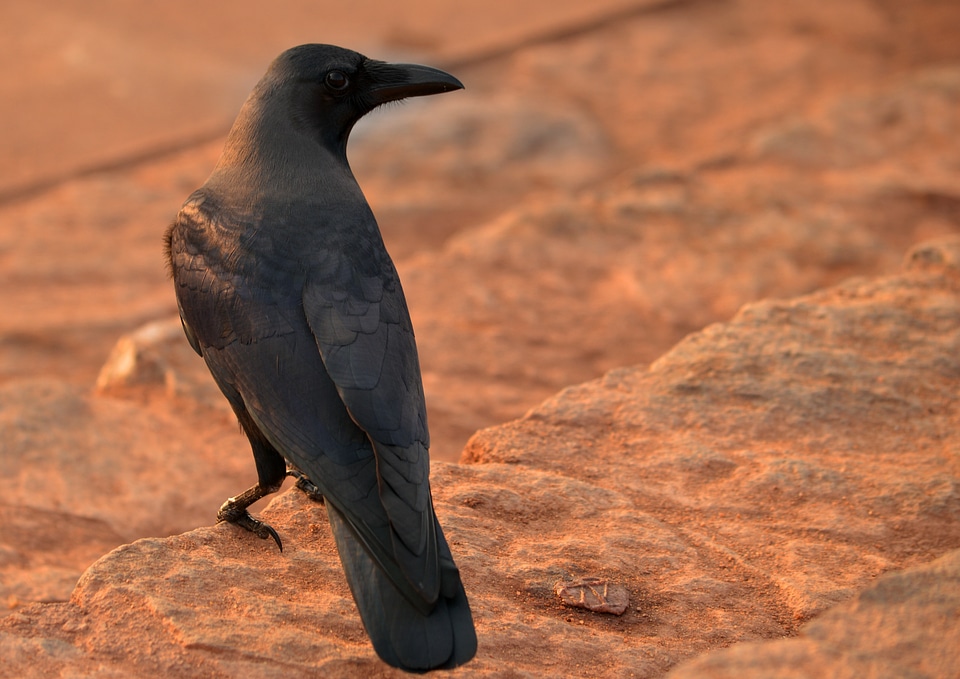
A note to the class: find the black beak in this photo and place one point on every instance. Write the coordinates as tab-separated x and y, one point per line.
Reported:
390	82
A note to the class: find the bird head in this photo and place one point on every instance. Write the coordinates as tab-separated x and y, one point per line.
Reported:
328	89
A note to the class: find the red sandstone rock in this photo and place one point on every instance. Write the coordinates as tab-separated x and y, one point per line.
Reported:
748	481
621	189
905	624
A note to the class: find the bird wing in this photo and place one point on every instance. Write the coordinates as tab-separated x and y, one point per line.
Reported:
325	363
355	307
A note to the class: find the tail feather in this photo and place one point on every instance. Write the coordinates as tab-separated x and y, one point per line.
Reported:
401	634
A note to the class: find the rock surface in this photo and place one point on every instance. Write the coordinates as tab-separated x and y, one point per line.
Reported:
98	58
634	182
914	611
750	480
593	197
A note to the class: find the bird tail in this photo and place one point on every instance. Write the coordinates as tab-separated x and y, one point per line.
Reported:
401	634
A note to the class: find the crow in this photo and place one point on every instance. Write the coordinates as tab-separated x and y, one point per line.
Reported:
286	290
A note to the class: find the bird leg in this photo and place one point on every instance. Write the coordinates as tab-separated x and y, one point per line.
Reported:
304	483
234	511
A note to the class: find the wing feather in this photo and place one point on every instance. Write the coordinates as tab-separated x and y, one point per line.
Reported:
325	361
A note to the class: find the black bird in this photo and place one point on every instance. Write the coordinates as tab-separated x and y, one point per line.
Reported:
287	292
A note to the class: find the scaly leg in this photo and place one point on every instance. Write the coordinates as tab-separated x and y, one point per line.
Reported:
304	483
234	511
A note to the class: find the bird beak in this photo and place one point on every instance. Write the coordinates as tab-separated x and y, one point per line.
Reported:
390	82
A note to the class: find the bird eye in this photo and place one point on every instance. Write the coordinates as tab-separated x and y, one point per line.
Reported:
336	81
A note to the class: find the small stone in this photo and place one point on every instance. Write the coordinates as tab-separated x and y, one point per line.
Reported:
137	358
594	594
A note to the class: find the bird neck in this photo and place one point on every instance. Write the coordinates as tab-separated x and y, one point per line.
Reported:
269	154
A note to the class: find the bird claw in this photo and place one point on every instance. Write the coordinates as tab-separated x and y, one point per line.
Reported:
305	484
239	516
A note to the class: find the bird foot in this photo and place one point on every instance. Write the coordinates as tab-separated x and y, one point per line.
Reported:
305	484
236	513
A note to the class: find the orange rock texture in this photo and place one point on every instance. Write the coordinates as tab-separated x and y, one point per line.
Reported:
686	284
